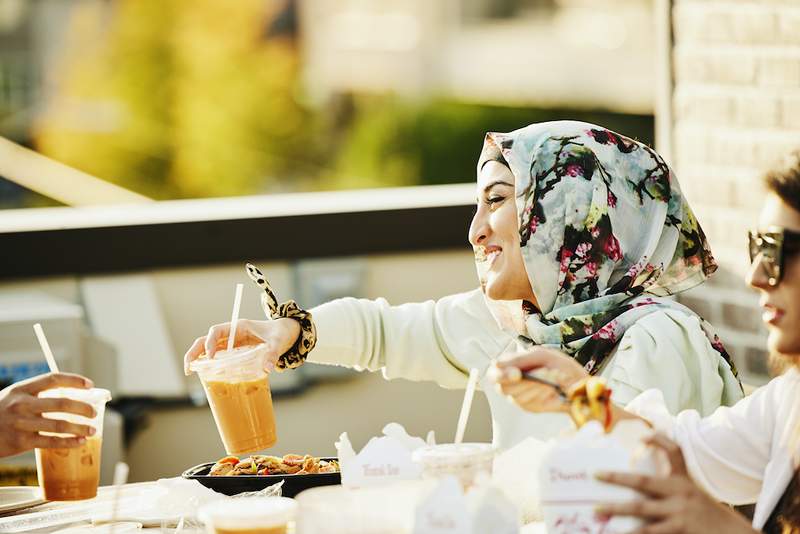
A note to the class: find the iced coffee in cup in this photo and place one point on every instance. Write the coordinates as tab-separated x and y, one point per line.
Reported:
249	515
238	392
72	474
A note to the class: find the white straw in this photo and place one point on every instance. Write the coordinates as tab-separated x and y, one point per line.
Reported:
466	406
237	302
48	354
121	471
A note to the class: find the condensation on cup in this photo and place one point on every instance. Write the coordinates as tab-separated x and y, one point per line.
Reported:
237	388
73	474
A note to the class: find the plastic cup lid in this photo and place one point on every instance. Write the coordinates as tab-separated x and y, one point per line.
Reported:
91	396
454	451
249	512
228	358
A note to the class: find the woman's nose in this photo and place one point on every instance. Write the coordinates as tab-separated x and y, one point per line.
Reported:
478	230
756	276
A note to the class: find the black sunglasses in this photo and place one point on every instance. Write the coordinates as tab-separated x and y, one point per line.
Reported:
771	249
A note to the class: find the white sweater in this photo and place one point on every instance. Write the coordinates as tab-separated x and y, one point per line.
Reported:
440	341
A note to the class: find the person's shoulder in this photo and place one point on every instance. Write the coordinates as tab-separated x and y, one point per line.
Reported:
673	322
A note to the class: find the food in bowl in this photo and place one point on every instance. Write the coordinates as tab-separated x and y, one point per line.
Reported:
289	464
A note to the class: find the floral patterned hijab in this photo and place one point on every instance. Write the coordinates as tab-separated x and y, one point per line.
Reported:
605	234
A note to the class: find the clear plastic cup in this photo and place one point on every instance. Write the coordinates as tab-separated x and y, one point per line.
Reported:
237	388
72	474
462	460
249	515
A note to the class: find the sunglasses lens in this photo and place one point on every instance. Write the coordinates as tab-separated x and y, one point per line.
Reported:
767	251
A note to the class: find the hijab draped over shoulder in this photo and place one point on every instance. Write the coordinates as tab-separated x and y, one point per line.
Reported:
605	235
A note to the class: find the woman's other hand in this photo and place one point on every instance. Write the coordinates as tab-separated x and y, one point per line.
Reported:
533	396
278	335
673	504
21	417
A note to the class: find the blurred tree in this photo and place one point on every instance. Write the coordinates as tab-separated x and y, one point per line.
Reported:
393	143
181	98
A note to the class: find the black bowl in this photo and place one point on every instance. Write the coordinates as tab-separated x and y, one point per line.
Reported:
231	485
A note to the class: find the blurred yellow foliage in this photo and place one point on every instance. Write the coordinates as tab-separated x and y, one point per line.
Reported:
179	98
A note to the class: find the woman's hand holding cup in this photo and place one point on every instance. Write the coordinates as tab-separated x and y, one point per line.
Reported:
278	335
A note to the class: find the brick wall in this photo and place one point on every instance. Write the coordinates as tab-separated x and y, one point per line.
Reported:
734	110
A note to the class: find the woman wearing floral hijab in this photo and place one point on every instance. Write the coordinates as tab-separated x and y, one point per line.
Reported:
579	235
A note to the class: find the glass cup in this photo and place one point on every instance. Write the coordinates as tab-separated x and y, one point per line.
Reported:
72	474
462	460
249	515
237	388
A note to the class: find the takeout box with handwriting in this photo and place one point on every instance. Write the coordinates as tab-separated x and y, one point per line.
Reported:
383	459
570	492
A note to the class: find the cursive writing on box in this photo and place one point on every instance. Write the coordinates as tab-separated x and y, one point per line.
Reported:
590	523
386	470
439	521
557	475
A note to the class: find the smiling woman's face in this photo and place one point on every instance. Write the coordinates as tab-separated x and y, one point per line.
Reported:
495	228
780	304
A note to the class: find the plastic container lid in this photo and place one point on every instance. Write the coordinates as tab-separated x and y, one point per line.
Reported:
224	358
454	453
249	512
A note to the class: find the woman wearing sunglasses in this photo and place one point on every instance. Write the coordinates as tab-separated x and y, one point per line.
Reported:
739	455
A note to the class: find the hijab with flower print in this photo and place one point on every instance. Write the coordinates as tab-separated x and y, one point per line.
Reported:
605	233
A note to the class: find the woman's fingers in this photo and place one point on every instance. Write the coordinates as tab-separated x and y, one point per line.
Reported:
215	335
195	351
656	486
39	406
537	357
57	426
644	508
670	526
673	452
53	442
539	400
53	380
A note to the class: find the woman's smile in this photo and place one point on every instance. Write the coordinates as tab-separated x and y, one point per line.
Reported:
492	253
771	314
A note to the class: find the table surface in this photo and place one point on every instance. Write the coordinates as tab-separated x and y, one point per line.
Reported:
53	516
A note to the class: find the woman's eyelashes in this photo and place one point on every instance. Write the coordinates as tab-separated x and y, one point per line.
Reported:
493	201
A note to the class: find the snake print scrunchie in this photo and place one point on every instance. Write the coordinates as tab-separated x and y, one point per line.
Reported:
296	356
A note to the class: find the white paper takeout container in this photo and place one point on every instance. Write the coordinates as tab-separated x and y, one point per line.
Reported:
570	492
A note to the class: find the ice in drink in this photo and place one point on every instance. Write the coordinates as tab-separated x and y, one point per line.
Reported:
72	474
243	412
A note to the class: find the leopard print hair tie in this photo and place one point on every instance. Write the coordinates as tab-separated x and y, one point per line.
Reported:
296	356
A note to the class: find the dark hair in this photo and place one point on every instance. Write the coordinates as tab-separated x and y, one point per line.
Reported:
784	180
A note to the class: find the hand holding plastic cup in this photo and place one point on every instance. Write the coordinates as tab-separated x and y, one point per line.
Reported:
70	474
237	388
